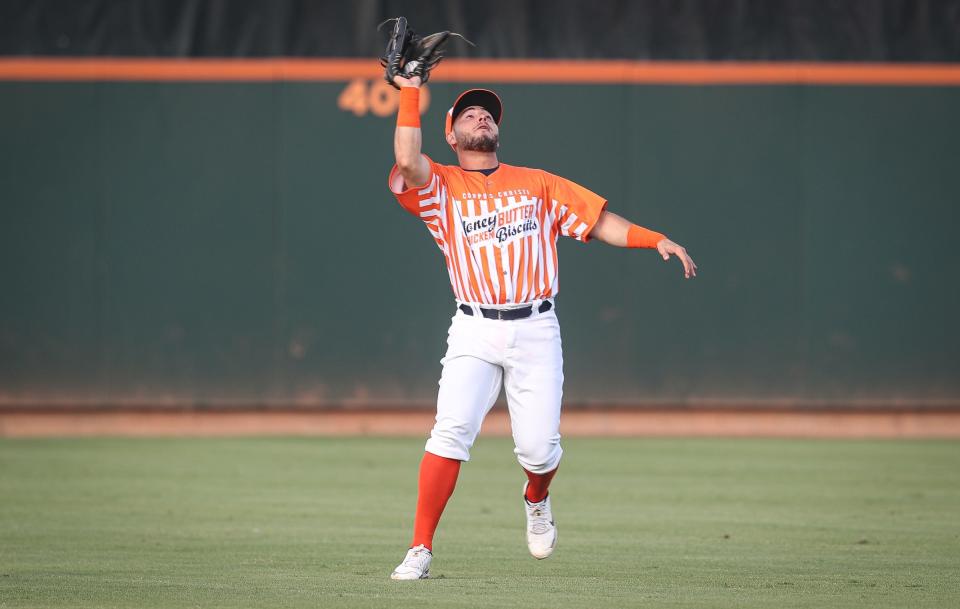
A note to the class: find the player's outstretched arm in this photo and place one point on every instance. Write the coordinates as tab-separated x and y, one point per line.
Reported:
615	230
407	139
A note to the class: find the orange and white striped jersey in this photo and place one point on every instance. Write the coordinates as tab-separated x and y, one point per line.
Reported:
498	233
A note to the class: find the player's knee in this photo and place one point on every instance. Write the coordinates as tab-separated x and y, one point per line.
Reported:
539	456
452	439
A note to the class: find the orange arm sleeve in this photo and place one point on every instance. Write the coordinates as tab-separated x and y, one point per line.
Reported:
637	236
408	115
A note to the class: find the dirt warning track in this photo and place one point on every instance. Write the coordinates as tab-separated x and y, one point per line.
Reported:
942	423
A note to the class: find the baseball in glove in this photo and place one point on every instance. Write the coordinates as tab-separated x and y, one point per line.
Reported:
409	54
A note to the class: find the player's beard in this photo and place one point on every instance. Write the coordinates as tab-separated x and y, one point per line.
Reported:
483	142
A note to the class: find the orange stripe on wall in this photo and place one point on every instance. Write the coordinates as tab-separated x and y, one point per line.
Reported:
483	70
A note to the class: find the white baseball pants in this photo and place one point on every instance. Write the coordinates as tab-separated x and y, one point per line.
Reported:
523	356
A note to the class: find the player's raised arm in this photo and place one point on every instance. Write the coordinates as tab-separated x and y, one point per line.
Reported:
615	230
407	139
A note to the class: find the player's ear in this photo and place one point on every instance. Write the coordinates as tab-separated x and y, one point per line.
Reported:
452	139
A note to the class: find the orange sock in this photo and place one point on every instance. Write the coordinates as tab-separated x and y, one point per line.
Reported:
538	485
438	477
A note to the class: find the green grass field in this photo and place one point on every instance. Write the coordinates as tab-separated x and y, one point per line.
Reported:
320	522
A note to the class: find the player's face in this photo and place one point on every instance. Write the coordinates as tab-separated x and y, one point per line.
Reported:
476	130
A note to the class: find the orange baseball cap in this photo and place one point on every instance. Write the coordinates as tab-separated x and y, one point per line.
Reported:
484	98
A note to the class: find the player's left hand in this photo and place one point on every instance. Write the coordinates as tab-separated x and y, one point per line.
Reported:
667	247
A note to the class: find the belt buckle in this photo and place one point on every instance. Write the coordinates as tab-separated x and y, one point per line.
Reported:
500	314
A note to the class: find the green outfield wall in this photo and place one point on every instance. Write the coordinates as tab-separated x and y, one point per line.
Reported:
194	243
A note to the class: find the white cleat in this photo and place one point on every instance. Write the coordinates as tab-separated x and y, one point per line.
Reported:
541	530
416	564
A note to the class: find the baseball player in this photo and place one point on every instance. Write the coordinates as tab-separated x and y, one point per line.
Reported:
497	227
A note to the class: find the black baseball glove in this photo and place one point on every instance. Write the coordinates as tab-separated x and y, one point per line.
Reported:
409	54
